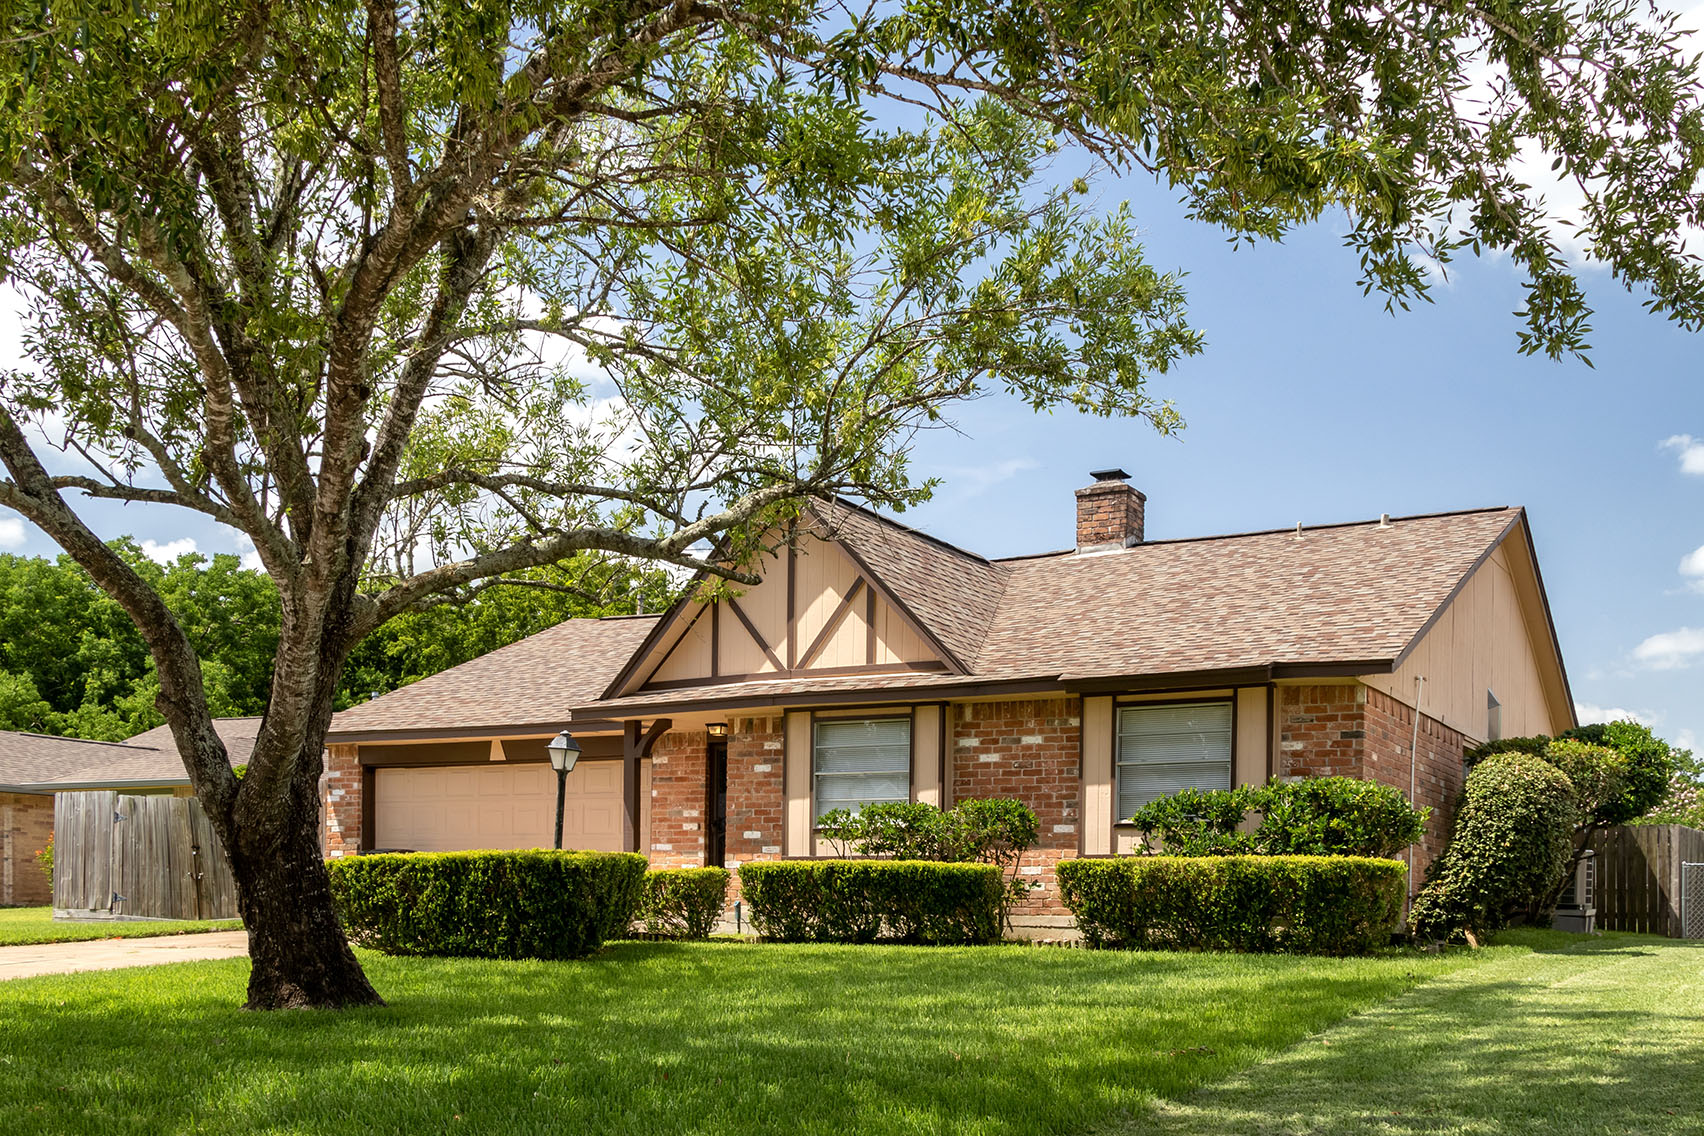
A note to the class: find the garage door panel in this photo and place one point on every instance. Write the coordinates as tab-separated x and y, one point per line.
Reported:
449	808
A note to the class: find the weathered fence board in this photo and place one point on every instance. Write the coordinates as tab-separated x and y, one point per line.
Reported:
1639	876
136	857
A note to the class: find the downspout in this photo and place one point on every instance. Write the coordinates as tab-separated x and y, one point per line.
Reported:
1413	772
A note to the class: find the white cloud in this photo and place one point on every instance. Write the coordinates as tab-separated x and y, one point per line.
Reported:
1671	650
250	555
11	532
1691	452
1589	712
1692	567
972	480
1685	739
168	552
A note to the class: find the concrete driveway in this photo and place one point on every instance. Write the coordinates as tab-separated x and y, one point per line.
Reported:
110	954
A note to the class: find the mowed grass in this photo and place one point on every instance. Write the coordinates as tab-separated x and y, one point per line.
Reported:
1604	1036
722	1037
20	925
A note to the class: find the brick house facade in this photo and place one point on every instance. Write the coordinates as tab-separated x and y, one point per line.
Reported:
26	821
1292	653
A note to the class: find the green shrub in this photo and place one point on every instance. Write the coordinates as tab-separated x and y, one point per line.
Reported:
861	901
1513	836
681	903
993	830
1317	816
1651	765
545	905
1328	905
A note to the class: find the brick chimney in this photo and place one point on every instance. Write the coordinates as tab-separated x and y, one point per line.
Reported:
1109	512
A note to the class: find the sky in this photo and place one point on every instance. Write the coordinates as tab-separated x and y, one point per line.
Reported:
1312	404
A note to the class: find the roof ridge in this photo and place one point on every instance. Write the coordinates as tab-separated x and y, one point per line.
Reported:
1375	521
126	744
916	532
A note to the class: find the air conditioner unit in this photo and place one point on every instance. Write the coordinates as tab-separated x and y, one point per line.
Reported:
1577	909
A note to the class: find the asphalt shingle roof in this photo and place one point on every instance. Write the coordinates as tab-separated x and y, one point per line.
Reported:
41	763
1337	594
534	682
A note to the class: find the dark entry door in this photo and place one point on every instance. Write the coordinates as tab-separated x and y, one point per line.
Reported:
716	819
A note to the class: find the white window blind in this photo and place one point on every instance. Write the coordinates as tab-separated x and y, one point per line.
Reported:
861	761
1162	749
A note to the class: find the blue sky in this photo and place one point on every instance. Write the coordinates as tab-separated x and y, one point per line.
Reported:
1311	404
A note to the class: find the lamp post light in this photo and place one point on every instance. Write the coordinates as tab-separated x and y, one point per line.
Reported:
564	752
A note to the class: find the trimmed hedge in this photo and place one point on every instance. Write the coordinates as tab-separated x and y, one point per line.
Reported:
681	903
1324	905
861	901
538	904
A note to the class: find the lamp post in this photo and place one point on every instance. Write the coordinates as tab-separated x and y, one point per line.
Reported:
564	752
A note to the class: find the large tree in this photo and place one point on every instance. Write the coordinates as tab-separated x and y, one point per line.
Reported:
421	296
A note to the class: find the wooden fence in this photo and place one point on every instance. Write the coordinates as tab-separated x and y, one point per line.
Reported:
1638	876
127	857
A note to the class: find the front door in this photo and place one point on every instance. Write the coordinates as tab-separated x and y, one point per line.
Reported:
716	817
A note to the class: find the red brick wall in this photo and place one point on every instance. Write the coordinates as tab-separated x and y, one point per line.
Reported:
676	839
342	801
1438	775
26	820
757	796
1321	732
1109	514
1030	750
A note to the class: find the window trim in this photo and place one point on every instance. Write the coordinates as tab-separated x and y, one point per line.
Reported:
908	714
1123	703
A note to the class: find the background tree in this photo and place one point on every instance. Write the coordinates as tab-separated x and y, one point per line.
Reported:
71	661
419	297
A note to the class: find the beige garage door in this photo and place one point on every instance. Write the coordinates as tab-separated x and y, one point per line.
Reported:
449	807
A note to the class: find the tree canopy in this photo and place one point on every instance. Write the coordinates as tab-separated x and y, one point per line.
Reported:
424	297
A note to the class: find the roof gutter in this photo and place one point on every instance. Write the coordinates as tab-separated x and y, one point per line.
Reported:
43	788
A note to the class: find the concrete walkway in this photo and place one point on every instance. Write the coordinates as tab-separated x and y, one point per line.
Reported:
111	954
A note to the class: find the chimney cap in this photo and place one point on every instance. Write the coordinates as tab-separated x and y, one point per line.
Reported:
1114	474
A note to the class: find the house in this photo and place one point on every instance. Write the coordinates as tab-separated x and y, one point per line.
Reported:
875	663
33	767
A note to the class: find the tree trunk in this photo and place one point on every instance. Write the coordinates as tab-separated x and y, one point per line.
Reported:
300	957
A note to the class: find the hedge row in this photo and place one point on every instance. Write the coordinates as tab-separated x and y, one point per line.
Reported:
545	905
861	901
1328	905
681	903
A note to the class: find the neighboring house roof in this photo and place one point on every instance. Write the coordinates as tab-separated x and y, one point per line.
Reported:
40	763
529	686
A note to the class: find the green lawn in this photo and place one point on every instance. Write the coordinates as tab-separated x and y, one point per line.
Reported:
662	1038
35	925
1545	1033
1605	1036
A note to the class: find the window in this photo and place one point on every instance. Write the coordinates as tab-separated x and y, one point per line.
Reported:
861	761
1162	749
1493	718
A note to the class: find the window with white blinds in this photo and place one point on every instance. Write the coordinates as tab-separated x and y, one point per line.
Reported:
1162	749
861	761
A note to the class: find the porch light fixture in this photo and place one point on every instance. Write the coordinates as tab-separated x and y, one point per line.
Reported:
718	729
564	751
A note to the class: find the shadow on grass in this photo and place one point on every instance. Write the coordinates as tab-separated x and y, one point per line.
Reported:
1601	1036
659	1037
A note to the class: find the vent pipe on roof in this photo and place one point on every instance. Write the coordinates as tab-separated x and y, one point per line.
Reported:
1110	513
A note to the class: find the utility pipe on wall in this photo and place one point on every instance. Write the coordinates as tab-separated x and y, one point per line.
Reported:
1413	767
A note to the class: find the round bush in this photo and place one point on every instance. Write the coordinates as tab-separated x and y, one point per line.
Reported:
681	903
536	904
